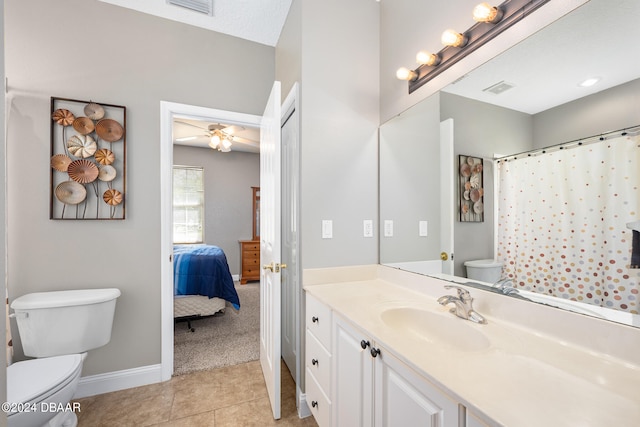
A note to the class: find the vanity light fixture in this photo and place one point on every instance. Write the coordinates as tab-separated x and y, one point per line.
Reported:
491	21
426	58
406	74
453	38
486	13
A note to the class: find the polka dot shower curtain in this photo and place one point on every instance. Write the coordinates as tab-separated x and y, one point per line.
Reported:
562	222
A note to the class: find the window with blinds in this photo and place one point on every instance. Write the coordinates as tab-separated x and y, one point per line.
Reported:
188	204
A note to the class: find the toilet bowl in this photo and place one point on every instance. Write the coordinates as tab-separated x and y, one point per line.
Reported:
484	270
57	328
43	388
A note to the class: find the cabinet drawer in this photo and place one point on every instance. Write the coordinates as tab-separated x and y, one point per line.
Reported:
318	362
250	259
318	320
318	402
251	246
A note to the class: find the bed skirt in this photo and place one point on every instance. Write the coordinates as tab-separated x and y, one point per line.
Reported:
196	305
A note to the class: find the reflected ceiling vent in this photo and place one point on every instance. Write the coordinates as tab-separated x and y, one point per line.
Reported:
200	6
499	88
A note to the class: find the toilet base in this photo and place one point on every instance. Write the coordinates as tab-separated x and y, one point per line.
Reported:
63	419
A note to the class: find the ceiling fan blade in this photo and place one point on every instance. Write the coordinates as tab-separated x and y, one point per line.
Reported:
192	125
245	140
232	129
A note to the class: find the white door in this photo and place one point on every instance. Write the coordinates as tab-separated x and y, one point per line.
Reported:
270	247
447	195
290	276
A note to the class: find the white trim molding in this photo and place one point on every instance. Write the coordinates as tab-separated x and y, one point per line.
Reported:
118	380
169	111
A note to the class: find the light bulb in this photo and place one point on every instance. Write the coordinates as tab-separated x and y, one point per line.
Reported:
226	144
406	74
486	13
426	58
215	141
453	38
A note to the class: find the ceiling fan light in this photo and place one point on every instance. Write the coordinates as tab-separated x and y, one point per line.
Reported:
226	144
215	141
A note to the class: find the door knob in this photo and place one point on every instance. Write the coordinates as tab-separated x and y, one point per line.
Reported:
268	267
444	256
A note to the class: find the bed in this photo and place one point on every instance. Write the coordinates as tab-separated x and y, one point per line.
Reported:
202	282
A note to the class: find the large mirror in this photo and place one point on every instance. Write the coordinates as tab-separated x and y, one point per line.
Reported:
522	101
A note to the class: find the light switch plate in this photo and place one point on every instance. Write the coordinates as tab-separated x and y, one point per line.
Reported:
368	228
388	228
423	227
327	229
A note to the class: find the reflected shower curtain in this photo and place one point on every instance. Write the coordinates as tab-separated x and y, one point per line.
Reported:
562	222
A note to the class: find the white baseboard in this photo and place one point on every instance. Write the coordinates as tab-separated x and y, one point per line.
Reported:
303	407
118	380
235	277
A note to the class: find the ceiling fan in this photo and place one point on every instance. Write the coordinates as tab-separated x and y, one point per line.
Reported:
221	137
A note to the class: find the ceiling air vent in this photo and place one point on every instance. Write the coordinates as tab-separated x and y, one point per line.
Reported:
498	88
201	6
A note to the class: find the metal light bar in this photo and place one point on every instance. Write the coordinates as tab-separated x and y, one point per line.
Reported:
513	12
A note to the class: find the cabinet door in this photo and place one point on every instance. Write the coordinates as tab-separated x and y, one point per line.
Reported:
352	391
403	398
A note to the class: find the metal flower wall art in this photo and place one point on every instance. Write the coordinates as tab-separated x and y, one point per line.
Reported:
471	189
88	160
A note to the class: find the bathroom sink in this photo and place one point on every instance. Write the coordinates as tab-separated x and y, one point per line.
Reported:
439	329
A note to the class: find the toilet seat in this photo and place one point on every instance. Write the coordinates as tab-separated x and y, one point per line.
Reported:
33	381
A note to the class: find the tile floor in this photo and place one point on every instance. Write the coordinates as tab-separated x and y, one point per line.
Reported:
230	396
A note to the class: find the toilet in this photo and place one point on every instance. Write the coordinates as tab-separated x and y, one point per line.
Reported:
57	328
484	270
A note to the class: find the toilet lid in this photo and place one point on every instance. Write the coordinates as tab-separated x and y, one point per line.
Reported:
32	380
484	263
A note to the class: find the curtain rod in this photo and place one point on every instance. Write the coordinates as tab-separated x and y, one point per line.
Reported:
633	130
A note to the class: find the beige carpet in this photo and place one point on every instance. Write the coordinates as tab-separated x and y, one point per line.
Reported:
222	340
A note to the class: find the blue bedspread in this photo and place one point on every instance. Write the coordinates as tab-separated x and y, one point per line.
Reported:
203	270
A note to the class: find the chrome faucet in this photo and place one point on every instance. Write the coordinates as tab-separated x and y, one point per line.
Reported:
506	286
463	305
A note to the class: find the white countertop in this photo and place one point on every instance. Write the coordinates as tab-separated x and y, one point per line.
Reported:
522	378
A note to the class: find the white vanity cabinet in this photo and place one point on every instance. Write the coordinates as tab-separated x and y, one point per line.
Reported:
348	385
372	387
318	360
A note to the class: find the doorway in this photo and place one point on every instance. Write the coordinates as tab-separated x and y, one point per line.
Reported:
170	112
290	192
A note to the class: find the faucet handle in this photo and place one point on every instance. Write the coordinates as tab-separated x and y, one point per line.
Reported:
463	294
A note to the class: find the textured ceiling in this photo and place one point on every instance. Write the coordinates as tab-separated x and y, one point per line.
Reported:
260	21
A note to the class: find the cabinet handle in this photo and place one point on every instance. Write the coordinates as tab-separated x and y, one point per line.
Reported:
364	344
314	404
314	361
314	319
375	352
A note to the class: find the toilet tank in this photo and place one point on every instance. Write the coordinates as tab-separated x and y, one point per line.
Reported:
65	322
485	270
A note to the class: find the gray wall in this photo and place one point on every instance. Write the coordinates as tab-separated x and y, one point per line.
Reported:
608	110
228	196
410	183
339	127
90	50
482	130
